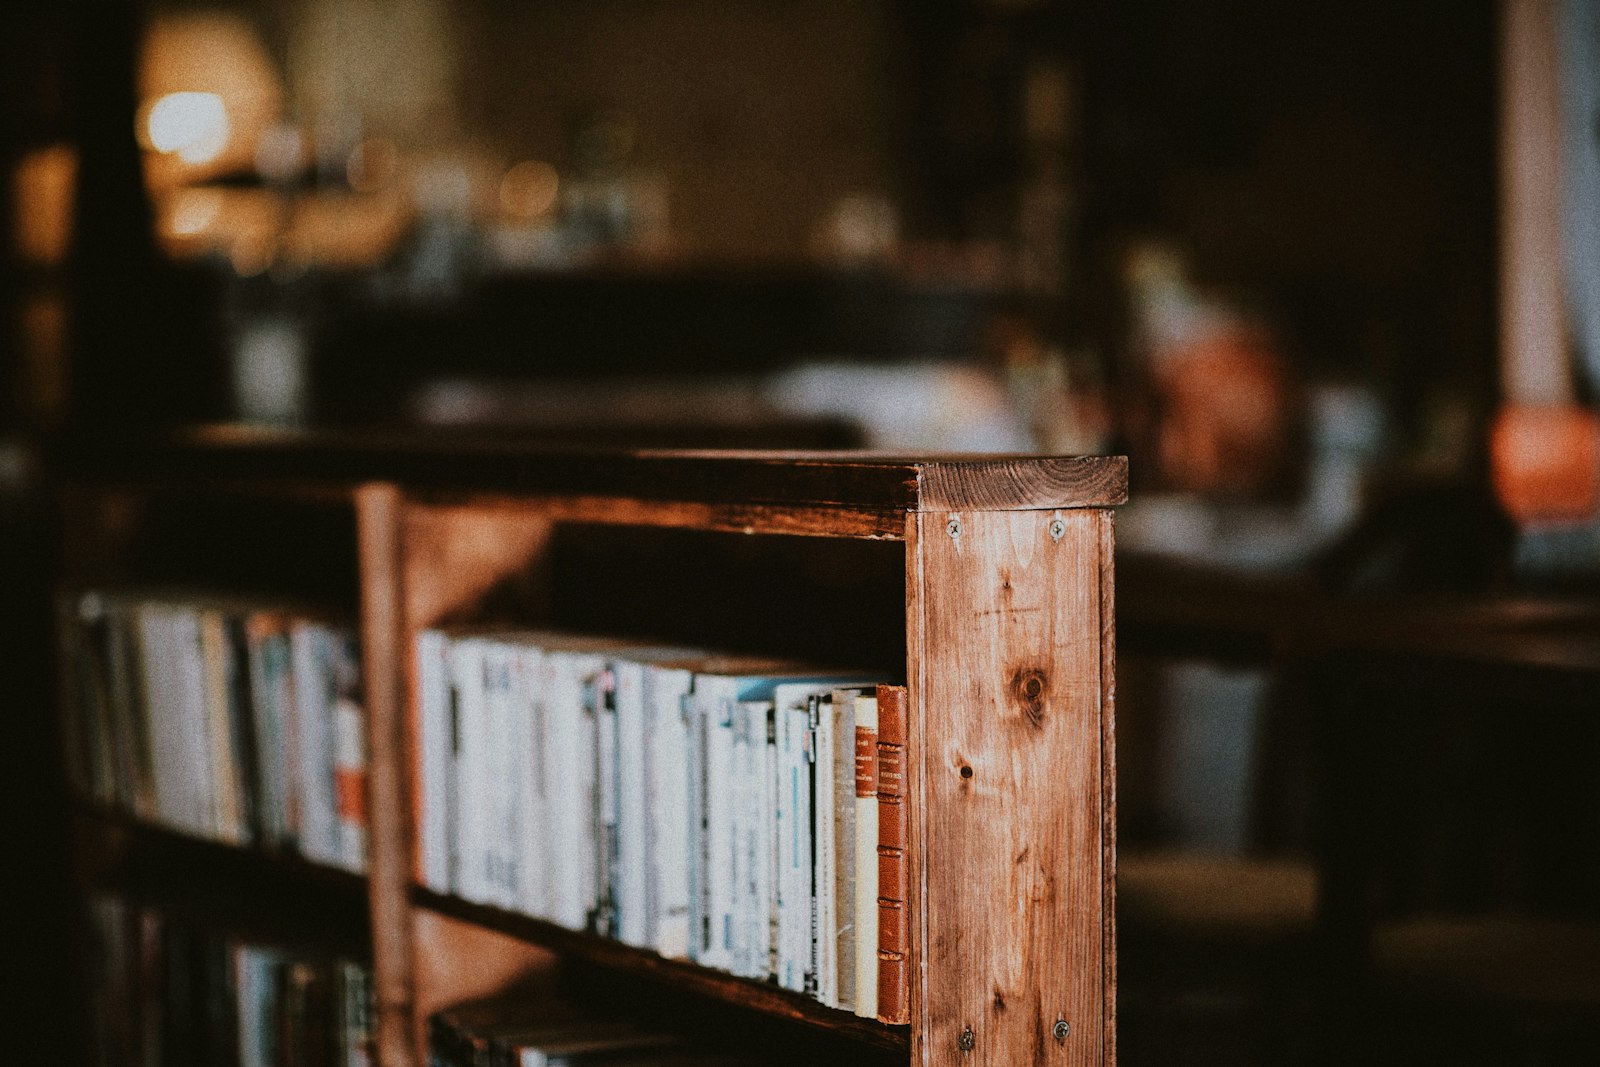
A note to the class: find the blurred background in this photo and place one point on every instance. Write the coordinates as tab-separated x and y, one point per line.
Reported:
1299	261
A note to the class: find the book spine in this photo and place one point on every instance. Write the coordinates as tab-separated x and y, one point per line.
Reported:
310	653
717	929
433	753
631	877
846	923
794	846
500	815
532	779
224	761
669	756
467	669
350	753
866	844
607	828
893	933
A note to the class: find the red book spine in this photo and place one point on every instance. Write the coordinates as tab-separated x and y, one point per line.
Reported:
893	934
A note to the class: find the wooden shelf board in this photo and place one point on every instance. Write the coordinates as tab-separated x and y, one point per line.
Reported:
681	975
279	899
847	480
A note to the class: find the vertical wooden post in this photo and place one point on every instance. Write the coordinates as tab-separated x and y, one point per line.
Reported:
1533	350
378	513
1005	628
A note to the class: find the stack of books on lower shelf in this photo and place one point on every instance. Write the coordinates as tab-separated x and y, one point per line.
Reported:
165	993
237	722
745	814
543	1032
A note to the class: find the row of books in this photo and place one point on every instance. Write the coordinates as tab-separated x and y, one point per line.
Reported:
745	814
166	994
237	722
540	1031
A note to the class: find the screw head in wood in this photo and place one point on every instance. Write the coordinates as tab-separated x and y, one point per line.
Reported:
1061	1029
967	1041
953	527
1058	529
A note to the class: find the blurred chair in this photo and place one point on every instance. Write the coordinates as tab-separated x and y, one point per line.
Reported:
1461	849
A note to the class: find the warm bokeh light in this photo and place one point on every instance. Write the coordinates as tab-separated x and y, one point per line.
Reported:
42	205
528	190
209	90
194	126
194	211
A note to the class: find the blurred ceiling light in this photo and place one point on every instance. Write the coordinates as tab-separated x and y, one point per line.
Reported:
210	91
194	126
528	190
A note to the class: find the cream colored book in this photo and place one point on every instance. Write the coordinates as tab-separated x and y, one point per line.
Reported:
866	849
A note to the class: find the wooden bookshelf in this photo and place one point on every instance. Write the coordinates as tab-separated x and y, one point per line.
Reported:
679	974
268	897
987	585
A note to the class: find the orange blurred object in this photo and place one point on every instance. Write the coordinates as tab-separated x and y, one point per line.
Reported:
1225	413
1546	463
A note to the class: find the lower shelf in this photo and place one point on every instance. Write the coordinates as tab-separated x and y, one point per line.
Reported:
274	899
679	975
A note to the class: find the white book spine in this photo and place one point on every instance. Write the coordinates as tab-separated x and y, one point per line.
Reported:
755	841
794	847
466	662
532	779
433	759
570	759
502	837
822	865
311	652
667	756
717	948
632	874
602	702
695	727
739	818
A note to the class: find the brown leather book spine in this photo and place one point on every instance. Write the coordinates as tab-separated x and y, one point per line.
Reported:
893	981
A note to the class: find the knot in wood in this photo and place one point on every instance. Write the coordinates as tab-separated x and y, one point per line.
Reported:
1028	687
967	1041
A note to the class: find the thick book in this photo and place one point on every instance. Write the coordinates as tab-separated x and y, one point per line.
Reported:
893	931
865	769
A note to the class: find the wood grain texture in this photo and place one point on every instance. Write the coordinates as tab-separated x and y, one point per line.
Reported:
681	975
1032	482
378	512
269	897
1007	701
1107	521
796	520
828	479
